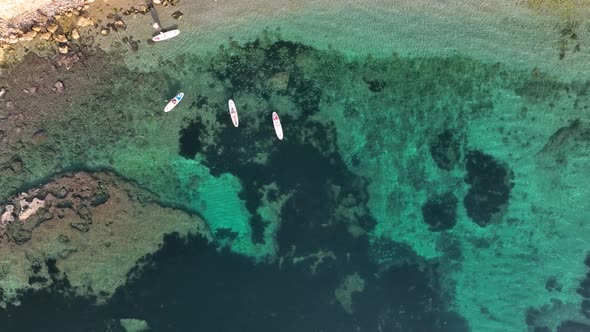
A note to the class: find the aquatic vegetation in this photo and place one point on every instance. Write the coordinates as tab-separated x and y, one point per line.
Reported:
378	151
306	167
445	150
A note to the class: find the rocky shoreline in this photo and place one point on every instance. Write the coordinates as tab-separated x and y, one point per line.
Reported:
37	20
93	220
39	231
63	27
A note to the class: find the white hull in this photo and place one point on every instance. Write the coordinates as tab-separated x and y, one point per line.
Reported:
166	35
233	112
277	124
173	102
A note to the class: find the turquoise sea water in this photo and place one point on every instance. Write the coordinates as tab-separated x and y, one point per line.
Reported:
413	190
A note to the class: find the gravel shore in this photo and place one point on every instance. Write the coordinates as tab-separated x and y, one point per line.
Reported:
18	18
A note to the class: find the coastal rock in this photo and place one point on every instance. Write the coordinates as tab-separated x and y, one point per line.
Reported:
177	15
45	35
58	87
17	233
82	226
30	91
39	137
85	213
63	49
67	60
57	191
28	36
169	2
8	215
143	9
29	208
52	28
61	38
84	21
75	34
100	197
105	31
119	24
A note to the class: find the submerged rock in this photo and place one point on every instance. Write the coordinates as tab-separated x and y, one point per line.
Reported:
445	151
84	21
351	284
134	325
491	183
84	228
63	49
440	212
58	87
52	28
119	24
61	38
177	15
75	34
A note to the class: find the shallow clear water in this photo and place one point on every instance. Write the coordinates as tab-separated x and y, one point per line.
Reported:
421	185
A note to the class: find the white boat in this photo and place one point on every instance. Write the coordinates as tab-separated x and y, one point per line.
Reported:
173	102
166	35
233	112
277	123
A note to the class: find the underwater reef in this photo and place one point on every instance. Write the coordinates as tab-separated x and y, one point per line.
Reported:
352	221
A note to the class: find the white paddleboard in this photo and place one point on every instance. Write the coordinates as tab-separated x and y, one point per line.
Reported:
233	112
173	102
166	35
277	123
